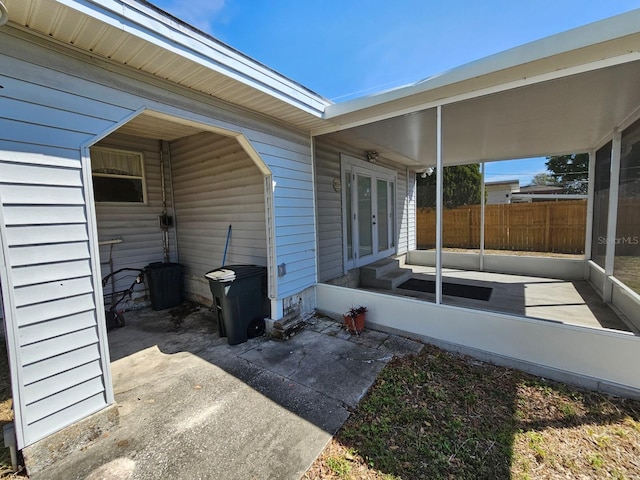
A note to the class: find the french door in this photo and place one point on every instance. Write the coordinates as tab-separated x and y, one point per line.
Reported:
369	219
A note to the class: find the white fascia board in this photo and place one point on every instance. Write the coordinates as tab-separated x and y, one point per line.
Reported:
562	43
146	23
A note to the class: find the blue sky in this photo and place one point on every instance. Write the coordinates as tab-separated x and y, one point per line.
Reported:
343	49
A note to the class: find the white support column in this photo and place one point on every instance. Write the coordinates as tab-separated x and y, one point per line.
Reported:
482	204
277	309
612	215
590	198
439	204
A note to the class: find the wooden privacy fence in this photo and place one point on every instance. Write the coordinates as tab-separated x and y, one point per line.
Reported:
537	227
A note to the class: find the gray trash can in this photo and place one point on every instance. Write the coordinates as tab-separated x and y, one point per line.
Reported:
239	301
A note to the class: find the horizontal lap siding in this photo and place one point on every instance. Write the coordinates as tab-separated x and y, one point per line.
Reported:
327	158
47	241
136	224
52	103
330	207
45	117
294	211
216	184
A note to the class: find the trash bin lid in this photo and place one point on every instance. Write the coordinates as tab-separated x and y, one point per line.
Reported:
221	275
230	273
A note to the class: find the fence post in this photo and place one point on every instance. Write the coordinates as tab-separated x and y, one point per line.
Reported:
469	235
547	226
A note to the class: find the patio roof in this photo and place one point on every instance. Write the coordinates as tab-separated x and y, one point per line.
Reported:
561	94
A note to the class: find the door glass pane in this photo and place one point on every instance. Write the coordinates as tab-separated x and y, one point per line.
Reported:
365	211
392	213
349	214
383	216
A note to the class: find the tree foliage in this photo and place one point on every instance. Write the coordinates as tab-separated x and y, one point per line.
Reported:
544	179
461	186
570	171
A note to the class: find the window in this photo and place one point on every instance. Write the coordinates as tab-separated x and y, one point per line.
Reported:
118	175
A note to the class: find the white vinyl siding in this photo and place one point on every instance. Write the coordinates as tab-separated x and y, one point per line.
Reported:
330	241
48	257
52	104
293	202
216	184
135	223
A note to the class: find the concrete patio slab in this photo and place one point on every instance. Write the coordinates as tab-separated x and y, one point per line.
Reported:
191	406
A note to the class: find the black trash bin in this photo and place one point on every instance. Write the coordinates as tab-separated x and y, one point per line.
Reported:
239	301
165	284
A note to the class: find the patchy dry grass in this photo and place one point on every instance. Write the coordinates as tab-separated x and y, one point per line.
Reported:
441	415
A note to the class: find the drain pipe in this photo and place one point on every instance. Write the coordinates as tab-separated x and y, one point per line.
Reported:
164	219
173	202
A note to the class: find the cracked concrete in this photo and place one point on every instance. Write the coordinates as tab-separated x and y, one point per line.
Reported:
192	406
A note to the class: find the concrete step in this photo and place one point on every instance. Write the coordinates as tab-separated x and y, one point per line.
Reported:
389	280
377	269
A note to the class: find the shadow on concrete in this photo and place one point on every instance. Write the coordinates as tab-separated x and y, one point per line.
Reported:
192	406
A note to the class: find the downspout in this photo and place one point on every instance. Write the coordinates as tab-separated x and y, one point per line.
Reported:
173	201
163	227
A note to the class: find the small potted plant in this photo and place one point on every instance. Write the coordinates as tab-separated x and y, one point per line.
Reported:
354	319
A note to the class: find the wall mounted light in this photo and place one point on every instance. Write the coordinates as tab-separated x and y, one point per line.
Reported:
427	172
372	156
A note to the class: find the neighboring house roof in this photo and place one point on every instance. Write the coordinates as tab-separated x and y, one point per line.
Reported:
539	189
498	183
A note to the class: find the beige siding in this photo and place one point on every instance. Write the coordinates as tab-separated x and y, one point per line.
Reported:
329	208
136	224
330	241
216	185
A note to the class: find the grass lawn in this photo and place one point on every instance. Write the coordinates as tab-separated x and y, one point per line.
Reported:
442	415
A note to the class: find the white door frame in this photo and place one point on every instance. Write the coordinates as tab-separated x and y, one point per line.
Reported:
375	172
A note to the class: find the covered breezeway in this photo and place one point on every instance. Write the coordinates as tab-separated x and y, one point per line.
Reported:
196	183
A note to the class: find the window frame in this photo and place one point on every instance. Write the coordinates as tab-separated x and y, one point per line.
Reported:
142	178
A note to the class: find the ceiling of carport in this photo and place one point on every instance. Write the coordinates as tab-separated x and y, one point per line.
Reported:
564	115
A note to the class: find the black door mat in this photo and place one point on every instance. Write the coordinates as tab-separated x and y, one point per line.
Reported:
451	289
